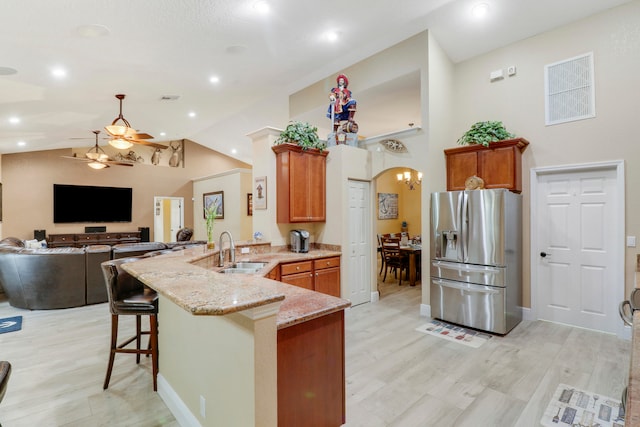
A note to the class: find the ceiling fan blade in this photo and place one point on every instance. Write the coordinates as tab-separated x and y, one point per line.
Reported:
141	136
114	162
149	143
84	159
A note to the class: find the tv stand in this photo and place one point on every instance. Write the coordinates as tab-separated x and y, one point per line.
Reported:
84	239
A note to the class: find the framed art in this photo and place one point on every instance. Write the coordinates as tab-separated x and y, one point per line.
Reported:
260	192
215	199
387	206
250	204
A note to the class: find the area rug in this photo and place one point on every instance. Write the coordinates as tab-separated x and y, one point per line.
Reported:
570	406
454	333
10	324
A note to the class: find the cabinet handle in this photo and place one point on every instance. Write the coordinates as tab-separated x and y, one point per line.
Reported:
298	268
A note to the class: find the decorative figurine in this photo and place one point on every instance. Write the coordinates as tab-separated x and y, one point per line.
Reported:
342	107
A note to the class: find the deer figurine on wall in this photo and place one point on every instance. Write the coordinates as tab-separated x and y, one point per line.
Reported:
176	153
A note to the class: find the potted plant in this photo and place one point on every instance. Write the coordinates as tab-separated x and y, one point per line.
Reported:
301	134
484	133
210	213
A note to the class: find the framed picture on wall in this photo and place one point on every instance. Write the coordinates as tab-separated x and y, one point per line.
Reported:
249	204
387	206
214	199
260	193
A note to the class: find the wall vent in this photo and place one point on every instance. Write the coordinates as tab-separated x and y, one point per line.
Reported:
169	97
569	90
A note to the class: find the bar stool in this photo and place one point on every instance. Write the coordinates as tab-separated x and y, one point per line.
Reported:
5	373
130	297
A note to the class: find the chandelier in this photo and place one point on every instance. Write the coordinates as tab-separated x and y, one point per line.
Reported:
408	178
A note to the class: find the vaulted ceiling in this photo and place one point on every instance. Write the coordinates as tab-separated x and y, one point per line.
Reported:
163	53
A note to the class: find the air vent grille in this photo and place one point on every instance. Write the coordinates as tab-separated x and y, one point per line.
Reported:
569	90
169	97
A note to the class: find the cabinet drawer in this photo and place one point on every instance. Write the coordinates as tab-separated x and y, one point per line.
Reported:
62	238
326	263
295	267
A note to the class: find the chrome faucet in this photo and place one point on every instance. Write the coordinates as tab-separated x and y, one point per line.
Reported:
232	249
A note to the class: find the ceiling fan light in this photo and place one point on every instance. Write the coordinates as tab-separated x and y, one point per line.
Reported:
117	130
97	165
120	144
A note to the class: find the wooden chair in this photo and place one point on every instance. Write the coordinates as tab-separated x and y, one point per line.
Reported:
381	254
393	258
128	296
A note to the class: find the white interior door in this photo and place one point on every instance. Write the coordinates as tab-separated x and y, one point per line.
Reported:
358	282
578	248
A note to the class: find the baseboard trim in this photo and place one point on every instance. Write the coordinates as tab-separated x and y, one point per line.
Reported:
425	310
375	296
183	415
527	314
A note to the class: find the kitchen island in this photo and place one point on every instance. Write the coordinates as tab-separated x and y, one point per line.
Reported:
234	347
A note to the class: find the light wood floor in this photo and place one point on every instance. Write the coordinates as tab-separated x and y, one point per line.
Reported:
395	375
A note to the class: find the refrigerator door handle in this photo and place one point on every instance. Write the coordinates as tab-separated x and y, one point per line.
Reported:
474	288
464	225
467	267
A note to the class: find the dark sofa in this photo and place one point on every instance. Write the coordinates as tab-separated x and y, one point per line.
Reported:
51	278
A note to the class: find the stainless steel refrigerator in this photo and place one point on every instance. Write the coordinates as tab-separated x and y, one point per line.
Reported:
476	258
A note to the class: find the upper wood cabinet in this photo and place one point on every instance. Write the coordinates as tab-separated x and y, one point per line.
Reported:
499	165
300	184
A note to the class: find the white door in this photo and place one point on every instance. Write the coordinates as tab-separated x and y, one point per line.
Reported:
358	289
578	246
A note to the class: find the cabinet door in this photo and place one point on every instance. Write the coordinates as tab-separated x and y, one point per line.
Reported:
500	168
302	280
461	166
307	188
328	281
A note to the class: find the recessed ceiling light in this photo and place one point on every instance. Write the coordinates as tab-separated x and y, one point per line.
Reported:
14	120
261	6
214	79
92	31
331	36
234	151
480	10
163	134
192	114
21	143
58	72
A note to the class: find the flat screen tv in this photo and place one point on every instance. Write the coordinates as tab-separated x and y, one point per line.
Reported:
85	203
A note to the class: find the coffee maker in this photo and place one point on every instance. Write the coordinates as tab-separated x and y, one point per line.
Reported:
299	241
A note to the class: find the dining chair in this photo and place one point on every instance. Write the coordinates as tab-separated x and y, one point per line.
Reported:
381	254
394	258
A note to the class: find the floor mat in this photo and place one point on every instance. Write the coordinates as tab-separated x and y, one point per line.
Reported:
10	324
571	406
454	333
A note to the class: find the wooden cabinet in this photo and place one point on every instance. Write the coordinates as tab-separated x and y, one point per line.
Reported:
85	239
321	275
300	184
499	165
311	375
327	276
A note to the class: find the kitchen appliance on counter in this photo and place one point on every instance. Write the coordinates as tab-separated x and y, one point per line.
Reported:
476	258
299	241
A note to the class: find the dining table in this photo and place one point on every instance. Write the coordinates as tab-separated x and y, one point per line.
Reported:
415	254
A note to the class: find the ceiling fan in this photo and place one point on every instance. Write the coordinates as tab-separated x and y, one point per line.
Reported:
97	158
124	136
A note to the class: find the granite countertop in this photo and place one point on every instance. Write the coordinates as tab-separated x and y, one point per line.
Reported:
190	279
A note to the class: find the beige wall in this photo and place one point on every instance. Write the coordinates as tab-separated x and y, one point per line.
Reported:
409	204
28	180
235	185
518	101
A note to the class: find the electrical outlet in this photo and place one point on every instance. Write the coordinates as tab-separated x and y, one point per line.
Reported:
631	241
244	250
203	412
496	75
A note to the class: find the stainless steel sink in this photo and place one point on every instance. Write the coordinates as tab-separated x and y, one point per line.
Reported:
244	267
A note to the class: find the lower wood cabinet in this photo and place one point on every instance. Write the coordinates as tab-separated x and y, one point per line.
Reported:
311	376
321	275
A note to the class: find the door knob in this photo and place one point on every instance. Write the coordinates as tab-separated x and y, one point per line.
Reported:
544	254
